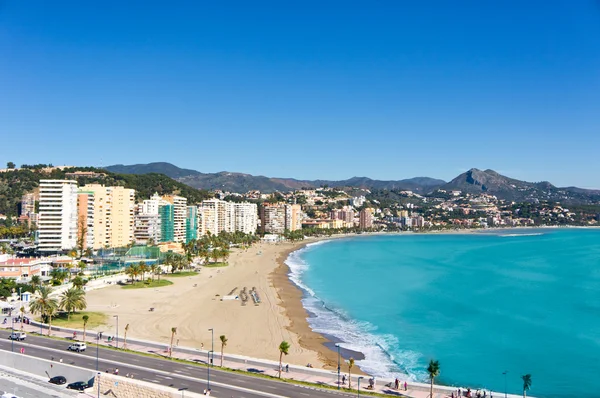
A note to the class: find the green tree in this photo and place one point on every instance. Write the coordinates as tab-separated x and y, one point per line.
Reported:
143	268
223	345
433	370
173	333
44	305
125	337
71	300
85	318
78	282
284	349
10	165
350	366
526	384
36	282
22	311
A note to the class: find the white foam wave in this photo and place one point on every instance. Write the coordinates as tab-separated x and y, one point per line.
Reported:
383	357
516	235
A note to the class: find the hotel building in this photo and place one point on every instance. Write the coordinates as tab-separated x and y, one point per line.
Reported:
57	224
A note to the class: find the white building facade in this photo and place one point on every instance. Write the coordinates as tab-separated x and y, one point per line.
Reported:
57	225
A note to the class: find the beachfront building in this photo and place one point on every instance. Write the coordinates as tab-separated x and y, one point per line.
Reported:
85	218
293	217
167	222
113	215
272	218
345	214
178	214
191	224
365	218
57	224
146	227
218	215
22	269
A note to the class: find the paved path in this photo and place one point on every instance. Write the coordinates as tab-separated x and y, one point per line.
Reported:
30	386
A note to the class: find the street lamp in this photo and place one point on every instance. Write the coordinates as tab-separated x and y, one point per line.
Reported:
338	383
12	338
504	373
117	340
358	389
212	346
182	389
97	348
208	370
98	384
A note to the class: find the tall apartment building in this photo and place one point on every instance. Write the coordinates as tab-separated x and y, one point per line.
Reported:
272	218
218	215
293	217
179	214
366	218
113	215
85	218
191	224
147	221
57	224
27	204
346	214
167	222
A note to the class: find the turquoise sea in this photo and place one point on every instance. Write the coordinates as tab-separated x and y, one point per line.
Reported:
521	301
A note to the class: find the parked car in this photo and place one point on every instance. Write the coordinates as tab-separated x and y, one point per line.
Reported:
17	336
78	385
78	347
60	380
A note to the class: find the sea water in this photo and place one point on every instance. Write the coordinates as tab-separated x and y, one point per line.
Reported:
480	303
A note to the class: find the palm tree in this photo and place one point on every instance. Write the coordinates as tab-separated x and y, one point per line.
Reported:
284	349
143	269
44	305
85	318
173	333
35	282
125	338
350	366
78	282
131	272
71	300
526	384
22	311
223	345
434	371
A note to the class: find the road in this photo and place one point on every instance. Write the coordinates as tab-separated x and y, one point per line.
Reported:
165	372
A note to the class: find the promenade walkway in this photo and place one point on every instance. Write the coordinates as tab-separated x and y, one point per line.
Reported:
248	364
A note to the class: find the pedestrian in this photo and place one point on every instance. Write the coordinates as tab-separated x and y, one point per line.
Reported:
287	368
343	379
117	371
396	383
177	344
405	386
60	360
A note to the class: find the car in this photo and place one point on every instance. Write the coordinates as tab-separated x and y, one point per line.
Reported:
60	380
17	336
78	385
78	347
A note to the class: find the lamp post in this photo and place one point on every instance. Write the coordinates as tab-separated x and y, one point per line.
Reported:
97	350
117	340
208	370
12	338
98	384
504	373
338	382
20	306
212	345
358	389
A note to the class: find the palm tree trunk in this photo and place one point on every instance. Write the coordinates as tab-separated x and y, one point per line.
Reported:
221	356
280	357
349	378
431	389
125	340
49	325
84	332
171	348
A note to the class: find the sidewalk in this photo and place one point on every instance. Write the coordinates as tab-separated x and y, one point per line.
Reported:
247	364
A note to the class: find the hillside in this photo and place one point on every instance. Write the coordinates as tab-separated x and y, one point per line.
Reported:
13	184
477	181
241	183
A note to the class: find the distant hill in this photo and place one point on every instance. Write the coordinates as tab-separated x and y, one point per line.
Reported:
488	181
241	183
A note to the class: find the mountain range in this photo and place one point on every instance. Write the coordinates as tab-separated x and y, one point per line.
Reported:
472	181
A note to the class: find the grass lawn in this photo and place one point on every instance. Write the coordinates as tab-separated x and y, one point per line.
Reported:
76	321
183	273
215	265
143	285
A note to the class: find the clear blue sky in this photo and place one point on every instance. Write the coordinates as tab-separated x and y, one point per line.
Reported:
311	89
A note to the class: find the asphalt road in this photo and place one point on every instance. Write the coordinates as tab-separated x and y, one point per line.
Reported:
164	372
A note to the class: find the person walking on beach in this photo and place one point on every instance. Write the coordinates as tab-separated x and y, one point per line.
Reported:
405	386
287	368
396	383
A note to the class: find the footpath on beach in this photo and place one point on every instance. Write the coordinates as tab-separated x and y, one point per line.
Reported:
247	364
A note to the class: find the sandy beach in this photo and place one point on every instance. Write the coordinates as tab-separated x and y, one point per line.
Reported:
252	330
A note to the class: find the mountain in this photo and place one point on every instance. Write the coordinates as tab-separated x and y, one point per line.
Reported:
477	181
241	183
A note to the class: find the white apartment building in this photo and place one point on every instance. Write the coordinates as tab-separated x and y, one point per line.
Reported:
145	227
150	206
179	216
217	215
57	225
272	218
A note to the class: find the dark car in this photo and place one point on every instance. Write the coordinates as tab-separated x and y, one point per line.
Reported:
78	385
58	380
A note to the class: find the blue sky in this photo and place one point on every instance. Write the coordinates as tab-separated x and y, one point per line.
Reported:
311	89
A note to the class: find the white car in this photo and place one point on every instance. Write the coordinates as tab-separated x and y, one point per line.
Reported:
17	336
78	347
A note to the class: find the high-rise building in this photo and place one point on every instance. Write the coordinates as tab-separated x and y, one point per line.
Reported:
179	216
366	218
218	215
85	219
272	218
293	217
167	222
57	224
345	214
146	227
113	215
27	204
191	224
246	217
